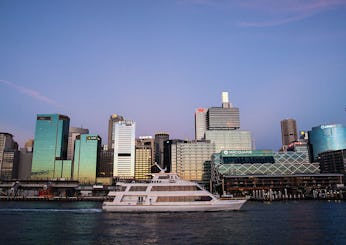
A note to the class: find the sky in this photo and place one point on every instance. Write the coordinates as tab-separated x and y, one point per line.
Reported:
155	62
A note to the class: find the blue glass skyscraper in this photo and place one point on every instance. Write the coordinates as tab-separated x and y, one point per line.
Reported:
86	155
327	138
50	147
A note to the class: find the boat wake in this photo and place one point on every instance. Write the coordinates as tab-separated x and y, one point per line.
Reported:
52	210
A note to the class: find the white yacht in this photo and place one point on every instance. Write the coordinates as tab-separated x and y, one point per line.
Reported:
166	192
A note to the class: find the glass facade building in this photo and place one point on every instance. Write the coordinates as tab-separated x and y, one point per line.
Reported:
327	138
51	137
260	162
230	139
220	118
86	156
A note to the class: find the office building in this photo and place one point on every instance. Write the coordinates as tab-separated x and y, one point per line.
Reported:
225	117
288	131
200	123
230	139
73	133
333	161
124	149
324	138
114	118
144	157
170	153
50	150
160	138
223	127
9	157
25	160
191	160
105	165
86	156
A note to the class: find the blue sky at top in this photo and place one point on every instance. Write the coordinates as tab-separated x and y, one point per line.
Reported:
155	62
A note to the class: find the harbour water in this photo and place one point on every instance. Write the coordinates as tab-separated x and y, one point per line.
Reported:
281	222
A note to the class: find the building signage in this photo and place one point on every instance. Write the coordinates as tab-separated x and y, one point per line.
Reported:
247	153
328	126
92	138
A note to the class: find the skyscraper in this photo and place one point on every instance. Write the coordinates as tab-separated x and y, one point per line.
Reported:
73	133
86	156
200	123
225	117
160	138
114	118
223	128
324	138
288	131
50	150
9	157
124	149
144	157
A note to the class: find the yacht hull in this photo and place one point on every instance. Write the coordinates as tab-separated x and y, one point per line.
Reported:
218	205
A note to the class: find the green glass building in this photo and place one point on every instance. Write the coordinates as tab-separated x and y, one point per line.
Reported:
86	155
50	150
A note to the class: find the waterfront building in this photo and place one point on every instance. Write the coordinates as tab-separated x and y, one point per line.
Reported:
333	161
114	118
144	157
324	138
262	169
73	133
300	146
191	160
86	156
230	139
50	150
288	131
266	162
9	157
124	149
160	138
200	123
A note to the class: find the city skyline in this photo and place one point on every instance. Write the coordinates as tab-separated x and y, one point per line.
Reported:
157	62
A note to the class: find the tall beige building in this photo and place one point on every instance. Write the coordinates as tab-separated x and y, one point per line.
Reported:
191	160
144	157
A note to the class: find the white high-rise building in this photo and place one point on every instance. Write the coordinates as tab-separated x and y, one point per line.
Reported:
200	123
124	149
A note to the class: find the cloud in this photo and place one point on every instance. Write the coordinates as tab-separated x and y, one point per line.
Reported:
31	93
274	12
291	10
